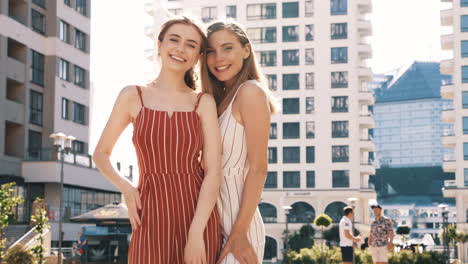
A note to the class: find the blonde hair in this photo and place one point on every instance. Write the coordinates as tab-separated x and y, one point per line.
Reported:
250	71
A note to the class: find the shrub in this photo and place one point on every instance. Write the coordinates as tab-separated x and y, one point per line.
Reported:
19	255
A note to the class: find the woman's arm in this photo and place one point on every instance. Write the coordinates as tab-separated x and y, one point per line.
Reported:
118	121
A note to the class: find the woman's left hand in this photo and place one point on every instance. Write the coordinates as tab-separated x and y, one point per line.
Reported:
239	246
195	251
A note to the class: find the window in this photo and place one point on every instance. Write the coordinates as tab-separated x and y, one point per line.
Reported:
37	68
291	9
291	130
309	8
290	106
34	144
310	129
261	11
267	58
310	181
64	71
464	48
65	108
40	3
309	80
272	155
465	99
463	3
465	125
35	107
81	7
290	33
464	23
291	179
78	113
64	31
465	151
67	2
309	56
80	77
340	178
465	74
209	13
339	79
271	181
291	155
340	153
339	55
262	35
38	22
290	57
339	31
339	104
309	32
273	131
465	176
231	11
340	129
310	154
176	11
338	7
291	81
309	105
272	82
80	40
78	147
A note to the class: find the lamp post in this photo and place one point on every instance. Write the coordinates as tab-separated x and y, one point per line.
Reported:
63	143
353	201
444	209
286	209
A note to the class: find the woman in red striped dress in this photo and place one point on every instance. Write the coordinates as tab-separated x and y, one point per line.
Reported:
172	210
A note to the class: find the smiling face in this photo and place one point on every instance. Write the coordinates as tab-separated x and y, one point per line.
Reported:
180	47
225	55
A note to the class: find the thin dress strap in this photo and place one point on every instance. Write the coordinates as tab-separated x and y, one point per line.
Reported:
139	95
237	91
198	100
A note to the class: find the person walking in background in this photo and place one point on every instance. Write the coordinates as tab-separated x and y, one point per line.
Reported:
381	236
82	248
347	238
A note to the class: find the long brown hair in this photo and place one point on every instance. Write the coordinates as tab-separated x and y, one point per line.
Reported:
190	76
250	70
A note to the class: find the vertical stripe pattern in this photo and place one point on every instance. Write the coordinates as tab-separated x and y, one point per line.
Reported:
168	150
235	167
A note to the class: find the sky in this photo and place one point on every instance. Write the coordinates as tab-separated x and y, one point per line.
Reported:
403	31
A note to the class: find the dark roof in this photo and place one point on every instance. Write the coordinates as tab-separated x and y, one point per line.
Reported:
110	212
419	80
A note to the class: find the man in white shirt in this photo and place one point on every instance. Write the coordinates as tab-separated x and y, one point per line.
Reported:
347	238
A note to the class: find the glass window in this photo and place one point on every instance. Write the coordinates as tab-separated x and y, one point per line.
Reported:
262	35
465	151
209	13
67	2
465	174
309	8
339	79
309	32
80	40
271	181
291	155
309	80
261	11
272	155
291	81
310	179
81	7
78	147
64	71
176	11
273	131
64	31
339	104
231	11
37	68
340	153
34	144
272	82
40	3
464	48
339	31
465	125
465	74
290	33
310	154
338	7
340	129
36	108
340	178
463	3
38	22
291	130
267	58
78	113
65	108
309	105
291	9
465	99
290	106
310	129
290	57
291	179
80	79
464	23
339	55
309	56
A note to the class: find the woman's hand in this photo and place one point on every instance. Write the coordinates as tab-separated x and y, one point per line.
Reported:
195	251
133	201
239	246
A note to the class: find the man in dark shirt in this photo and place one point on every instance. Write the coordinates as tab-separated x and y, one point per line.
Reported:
83	244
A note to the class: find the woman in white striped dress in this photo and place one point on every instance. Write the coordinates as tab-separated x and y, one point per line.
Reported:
231	75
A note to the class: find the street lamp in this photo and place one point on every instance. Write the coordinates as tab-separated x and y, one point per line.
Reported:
63	143
353	201
444	209
286	209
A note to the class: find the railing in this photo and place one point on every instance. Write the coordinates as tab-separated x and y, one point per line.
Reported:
448	132
49	154
29	239
449	157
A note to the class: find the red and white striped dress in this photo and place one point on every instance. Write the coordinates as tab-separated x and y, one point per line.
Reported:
168	150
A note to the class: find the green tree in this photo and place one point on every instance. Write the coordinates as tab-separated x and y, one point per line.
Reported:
323	221
41	222
333	234
8	201
303	239
403	231
19	255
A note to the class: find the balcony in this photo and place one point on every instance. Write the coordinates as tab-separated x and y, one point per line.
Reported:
448	138
365	51
364	6
149	8
16	70
364	28
367	145
447	42
449	164
450	184
149	31
367	168
448	115
149	54
366	121
447	90
446	17
446	67
365	74
366	97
